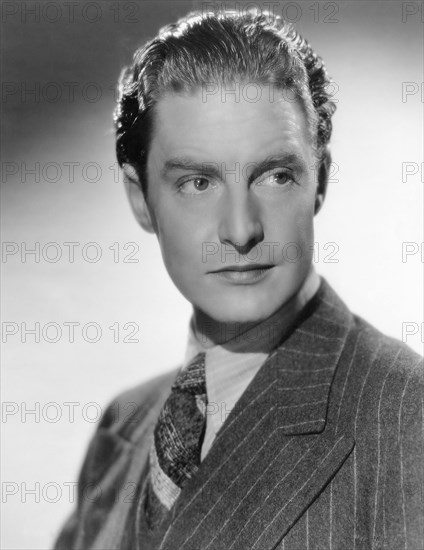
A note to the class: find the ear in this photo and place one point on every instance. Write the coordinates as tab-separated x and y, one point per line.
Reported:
323	174
137	199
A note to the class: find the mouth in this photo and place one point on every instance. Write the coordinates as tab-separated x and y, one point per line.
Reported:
246	274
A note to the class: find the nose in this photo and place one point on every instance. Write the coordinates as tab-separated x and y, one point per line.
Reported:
239	219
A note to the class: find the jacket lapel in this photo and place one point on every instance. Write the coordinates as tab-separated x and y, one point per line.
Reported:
260	475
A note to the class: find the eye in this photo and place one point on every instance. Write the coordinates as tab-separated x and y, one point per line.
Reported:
195	186
278	178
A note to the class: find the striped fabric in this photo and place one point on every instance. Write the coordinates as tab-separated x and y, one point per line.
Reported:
323	451
175	450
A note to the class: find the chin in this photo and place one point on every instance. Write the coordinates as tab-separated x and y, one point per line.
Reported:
238	312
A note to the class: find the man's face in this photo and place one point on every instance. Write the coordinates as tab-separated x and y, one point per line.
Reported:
231	187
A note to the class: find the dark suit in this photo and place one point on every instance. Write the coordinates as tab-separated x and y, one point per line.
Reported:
324	450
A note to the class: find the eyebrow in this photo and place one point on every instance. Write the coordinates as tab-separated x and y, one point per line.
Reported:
212	168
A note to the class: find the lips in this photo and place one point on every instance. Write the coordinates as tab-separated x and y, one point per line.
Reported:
241	268
243	275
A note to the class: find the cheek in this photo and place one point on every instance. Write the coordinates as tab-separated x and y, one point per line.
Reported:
292	222
303	222
180	242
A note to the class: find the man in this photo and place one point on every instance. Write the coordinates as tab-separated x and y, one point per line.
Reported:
292	423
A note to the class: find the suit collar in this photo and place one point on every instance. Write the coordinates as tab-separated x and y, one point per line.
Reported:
305	362
255	466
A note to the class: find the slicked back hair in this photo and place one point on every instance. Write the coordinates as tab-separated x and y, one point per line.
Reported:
222	48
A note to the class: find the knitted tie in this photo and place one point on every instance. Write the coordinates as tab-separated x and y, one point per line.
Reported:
178	435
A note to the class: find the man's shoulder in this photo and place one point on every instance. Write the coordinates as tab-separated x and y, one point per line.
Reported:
384	379
374	345
364	350
130	407
334	321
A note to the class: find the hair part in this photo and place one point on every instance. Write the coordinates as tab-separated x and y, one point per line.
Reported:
223	48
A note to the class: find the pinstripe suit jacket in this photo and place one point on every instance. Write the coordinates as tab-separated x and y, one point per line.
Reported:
324	450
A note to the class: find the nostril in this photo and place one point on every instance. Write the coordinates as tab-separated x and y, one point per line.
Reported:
243	249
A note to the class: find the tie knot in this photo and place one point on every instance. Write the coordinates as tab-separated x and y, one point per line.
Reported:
192	378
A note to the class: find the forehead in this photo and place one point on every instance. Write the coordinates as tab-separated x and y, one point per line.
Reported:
226	127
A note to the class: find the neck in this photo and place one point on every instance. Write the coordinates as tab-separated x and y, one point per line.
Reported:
210	332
